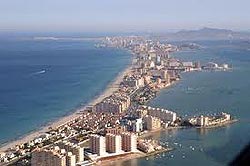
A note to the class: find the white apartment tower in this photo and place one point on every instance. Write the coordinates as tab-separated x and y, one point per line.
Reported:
98	145
113	143
129	142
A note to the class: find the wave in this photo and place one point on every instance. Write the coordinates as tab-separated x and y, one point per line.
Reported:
45	38
51	38
38	73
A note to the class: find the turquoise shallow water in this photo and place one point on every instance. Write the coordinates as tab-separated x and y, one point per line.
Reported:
207	92
41	81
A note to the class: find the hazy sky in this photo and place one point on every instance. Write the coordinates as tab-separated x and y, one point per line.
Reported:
123	15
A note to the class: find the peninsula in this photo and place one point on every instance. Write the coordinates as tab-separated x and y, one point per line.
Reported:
109	128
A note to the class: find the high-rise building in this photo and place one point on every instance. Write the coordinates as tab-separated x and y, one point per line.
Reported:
74	148
113	143
129	142
137	125
70	159
152	123
98	145
202	121
197	65
226	116
78	152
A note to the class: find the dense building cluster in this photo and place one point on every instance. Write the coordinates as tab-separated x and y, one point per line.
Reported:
148	145
205	121
111	126
116	103
92	121
64	155
152	123
154	117
133	81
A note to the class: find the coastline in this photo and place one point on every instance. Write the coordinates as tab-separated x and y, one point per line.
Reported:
150	133
110	88
140	154
219	125
131	156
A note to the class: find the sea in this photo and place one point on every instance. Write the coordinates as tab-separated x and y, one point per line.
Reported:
41	81
44	80
206	92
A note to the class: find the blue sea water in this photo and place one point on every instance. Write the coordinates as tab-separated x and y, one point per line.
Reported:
201	93
41	81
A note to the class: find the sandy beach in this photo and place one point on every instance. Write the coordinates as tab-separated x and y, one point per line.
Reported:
111	88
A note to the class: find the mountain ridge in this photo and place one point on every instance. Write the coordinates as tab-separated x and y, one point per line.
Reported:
207	33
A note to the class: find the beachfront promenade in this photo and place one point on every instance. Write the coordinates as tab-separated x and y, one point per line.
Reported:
119	115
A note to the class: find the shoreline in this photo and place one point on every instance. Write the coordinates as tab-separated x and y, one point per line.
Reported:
150	133
110	88
131	156
219	125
